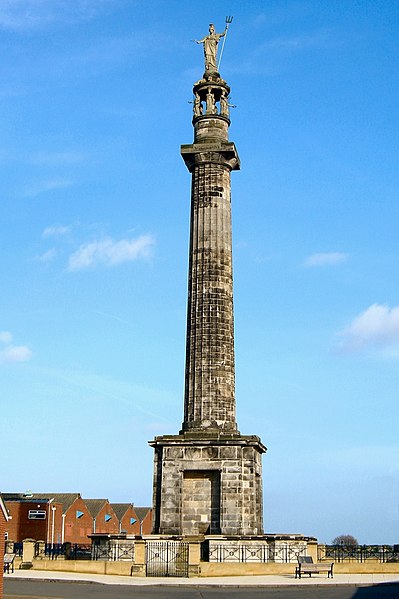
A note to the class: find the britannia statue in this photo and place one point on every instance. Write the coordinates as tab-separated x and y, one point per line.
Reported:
211	47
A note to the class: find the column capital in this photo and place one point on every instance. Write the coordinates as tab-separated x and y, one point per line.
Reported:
210	153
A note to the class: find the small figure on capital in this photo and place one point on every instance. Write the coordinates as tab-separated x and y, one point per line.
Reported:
224	104
210	102
197	106
211	47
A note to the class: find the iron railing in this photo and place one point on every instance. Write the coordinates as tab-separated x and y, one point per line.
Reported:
17	549
261	553
360	553
113	552
65	550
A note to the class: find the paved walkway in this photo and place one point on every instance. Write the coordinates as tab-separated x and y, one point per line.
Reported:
233	581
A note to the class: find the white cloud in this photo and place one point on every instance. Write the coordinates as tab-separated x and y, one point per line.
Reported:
47	256
107	252
15	353
56	231
325	259
5	337
43	186
377	327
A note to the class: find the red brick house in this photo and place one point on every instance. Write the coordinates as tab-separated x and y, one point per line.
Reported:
104	517
77	521
127	517
33	516
144	517
3	522
132	520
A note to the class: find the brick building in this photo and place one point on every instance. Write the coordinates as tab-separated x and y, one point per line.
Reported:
144	516
33	516
3	523
77	521
133	520
104	517
68	518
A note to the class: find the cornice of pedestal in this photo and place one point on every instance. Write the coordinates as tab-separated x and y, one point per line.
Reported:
204	439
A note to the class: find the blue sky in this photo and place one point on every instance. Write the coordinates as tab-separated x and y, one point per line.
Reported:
94	234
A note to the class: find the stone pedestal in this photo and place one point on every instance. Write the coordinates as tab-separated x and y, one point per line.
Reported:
208	486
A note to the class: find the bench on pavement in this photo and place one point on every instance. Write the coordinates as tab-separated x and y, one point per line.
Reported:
9	562
307	566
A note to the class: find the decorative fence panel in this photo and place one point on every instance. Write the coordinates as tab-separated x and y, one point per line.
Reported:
360	553
113	551
253	552
62	551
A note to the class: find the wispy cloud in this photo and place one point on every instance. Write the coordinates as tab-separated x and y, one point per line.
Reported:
56	231
5	337
36	189
47	256
325	259
57	158
377	327
112	316
271	55
32	14
295	43
107	252
146	400
13	353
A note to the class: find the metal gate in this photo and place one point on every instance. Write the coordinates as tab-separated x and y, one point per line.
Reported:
166	558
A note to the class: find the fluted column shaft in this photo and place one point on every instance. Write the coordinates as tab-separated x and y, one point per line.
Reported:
210	371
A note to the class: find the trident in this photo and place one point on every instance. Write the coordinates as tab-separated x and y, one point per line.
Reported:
228	21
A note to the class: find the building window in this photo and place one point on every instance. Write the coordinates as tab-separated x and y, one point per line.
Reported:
79	514
107	517
37	515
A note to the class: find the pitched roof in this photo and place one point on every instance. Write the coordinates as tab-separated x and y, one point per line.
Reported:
3	508
120	509
95	505
141	512
66	499
25	497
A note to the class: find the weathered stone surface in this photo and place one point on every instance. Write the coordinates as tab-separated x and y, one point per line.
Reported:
210	496
208	479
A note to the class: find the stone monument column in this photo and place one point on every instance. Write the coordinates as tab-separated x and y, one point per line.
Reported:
208	478
209	402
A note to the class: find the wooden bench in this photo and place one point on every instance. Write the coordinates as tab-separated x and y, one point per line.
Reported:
306	566
9	562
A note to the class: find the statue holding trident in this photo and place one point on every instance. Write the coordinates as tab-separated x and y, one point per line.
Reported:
211	46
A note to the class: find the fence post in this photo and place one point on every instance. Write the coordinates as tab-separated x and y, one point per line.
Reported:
9	547
321	552
311	550
139	566
194	558
28	552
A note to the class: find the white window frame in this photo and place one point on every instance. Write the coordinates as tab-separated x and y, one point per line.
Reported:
37	515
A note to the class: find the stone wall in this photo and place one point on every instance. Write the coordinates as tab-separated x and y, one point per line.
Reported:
208	486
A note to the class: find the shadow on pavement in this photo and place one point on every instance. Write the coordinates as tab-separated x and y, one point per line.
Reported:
385	590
